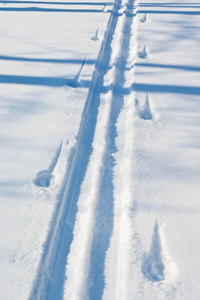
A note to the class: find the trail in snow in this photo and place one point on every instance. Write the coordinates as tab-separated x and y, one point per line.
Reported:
118	259
85	269
51	274
99	193
89	250
102	198
112	183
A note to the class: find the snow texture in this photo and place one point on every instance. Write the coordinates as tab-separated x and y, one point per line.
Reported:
157	265
99	150
146	113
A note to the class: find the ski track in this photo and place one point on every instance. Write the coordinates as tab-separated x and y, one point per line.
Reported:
92	229
51	273
93	250
118	256
104	202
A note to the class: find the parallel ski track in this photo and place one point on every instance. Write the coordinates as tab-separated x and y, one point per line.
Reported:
85	270
51	274
105	215
118	258
100	198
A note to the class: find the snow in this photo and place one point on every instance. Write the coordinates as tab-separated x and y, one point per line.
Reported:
157	264
99	150
40	51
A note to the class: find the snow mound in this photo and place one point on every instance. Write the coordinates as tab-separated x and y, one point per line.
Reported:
158	265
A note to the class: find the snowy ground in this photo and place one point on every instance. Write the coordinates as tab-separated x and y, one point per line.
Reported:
99	153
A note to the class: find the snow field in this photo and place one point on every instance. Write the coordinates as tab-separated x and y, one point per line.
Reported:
104	191
40	51
165	181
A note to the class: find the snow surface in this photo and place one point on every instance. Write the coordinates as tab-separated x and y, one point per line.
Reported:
99	153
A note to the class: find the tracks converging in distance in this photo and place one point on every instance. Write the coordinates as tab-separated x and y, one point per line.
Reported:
87	219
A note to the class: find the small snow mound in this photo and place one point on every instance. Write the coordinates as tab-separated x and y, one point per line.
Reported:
157	265
143	54
43	178
146	113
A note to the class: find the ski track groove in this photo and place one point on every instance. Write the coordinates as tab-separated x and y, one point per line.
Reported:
50	279
94	190
90	238
98	195
118	256
105	208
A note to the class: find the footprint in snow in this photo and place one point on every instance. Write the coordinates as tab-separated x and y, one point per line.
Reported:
96	37
144	18
146	113
44	177
157	264
104	9
136	104
75	81
143	54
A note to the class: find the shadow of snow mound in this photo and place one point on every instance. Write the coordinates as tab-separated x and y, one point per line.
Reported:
43	178
157	265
